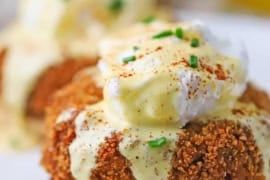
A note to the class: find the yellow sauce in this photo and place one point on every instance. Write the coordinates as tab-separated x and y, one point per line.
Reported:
14	134
28	57
148	162
160	87
46	30
92	126
145	106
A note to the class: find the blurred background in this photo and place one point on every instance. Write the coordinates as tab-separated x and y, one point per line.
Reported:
7	11
259	8
254	7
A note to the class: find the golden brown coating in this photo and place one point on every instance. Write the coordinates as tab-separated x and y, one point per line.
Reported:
75	95
216	150
110	163
197	155
51	81
2	60
56	159
254	95
79	93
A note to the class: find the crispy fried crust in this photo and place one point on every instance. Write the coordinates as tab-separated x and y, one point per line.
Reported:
52	80
58	136
216	150
56	157
254	95
111	165
197	155
79	93
2	59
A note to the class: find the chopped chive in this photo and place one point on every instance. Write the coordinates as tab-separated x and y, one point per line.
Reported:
157	142
163	34
193	61
129	59
116	5
195	42
179	33
148	19
135	48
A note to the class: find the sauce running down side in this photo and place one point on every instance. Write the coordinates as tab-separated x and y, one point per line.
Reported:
157	78
146	162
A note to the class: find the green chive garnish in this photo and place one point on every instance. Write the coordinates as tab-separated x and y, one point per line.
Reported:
193	61
163	34
148	20
157	142
179	33
195	42
116	5
129	59
135	48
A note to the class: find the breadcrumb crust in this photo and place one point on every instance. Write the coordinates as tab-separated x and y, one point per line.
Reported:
111	165
215	150
75	95
2	60
52	80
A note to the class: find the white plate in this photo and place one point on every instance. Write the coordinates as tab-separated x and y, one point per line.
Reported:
254	32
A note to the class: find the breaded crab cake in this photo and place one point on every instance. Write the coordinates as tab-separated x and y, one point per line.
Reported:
229	146
238	156
167	108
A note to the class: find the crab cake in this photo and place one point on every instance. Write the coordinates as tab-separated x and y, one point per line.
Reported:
168	108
